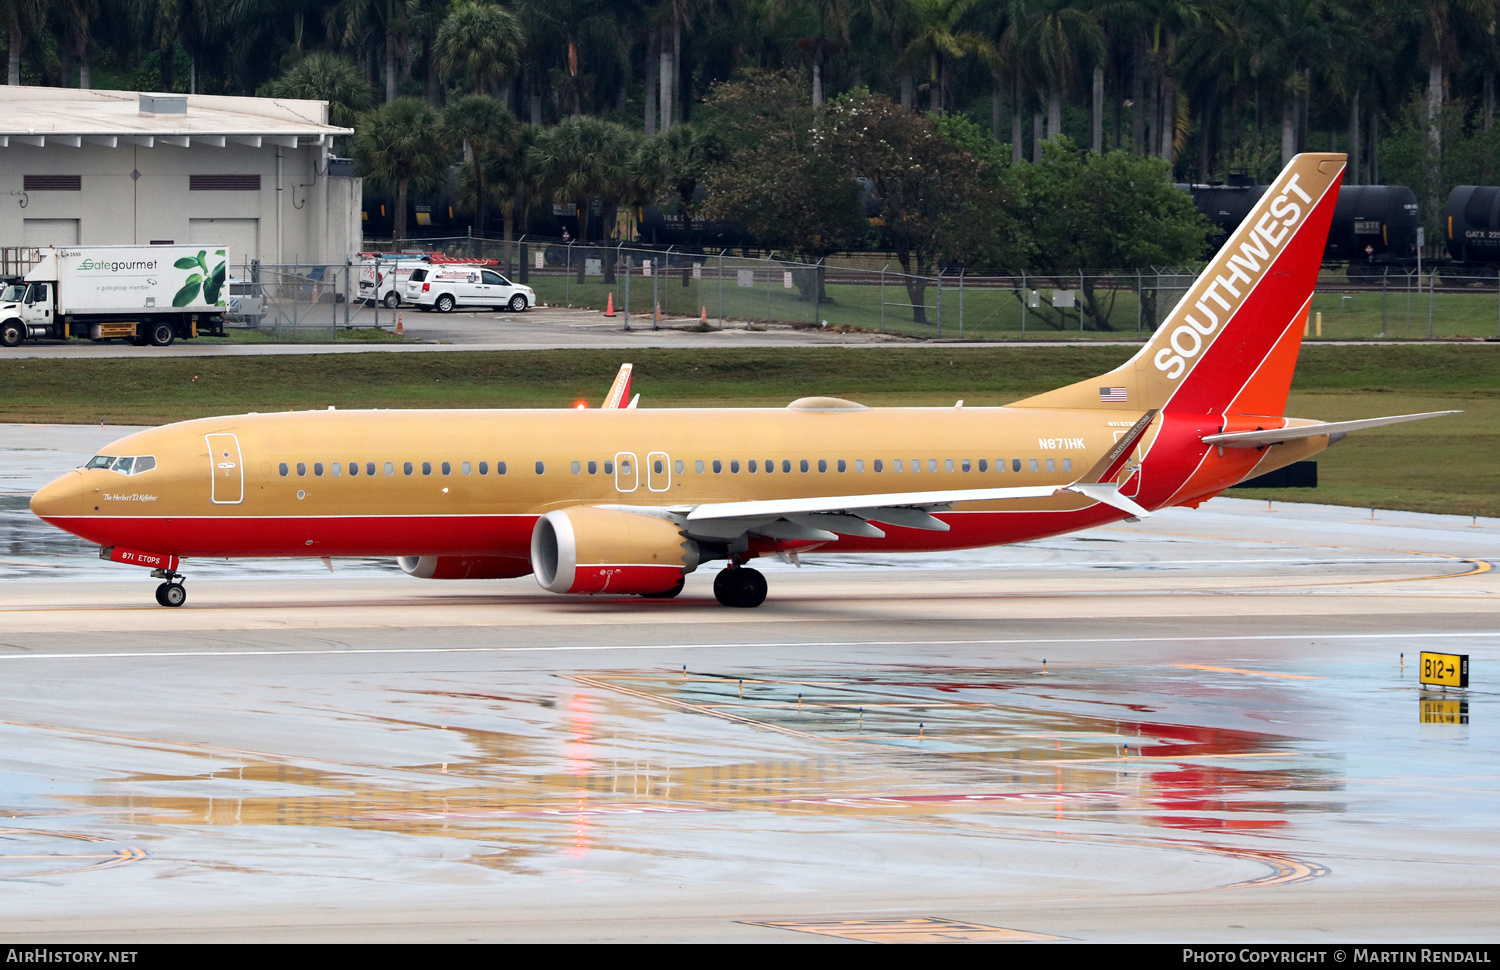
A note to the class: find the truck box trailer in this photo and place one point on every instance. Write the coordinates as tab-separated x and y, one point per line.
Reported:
147	294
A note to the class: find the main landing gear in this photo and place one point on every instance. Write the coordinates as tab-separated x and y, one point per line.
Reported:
171	592
740	586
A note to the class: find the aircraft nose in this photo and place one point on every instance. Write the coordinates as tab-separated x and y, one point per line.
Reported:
59	498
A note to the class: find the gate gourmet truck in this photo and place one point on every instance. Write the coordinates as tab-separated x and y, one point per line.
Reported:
146	294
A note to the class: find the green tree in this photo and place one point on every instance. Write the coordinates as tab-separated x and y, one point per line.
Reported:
583	159
671	166
771	179
399	145
936	206
480	43
323	76
488	130
1116	210
938	39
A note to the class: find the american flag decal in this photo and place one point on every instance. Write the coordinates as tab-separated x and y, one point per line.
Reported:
1111	394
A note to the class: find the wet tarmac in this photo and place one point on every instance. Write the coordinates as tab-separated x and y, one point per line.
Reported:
1200	727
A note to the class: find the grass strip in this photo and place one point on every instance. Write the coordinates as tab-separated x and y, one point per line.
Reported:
1447	465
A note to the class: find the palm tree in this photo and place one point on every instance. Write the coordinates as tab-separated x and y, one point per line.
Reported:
480	42
1056	37
486	129
26	18
324	76
399	145
585	158
825	25
674	163
939	38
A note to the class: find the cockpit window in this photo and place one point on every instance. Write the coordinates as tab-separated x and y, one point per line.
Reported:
133	465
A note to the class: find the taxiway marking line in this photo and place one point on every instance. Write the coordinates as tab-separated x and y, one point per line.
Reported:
595	648
1252	673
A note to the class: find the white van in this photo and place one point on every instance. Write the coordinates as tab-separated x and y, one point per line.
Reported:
444	287
383	276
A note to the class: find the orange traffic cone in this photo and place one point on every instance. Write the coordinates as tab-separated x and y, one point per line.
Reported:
609	311
703	316
399	327
658	313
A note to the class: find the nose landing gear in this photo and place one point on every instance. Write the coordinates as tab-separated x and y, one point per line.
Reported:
171	592
740	586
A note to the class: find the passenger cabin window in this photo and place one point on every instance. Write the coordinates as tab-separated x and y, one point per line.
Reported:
786	466
370	468
896	466
677	466
390	469
734	466
698	466
406	468
466	468
318	468
337	469
609	468
1067	464
822	464
283	469
447	468
1031	464
576	468
1052	464
984	465
718	466
1015	465
484	468
426	468
842	466
499	468
541	468
879	465
803	466
301	469
593	468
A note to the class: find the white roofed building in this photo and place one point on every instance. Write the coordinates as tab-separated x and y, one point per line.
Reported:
87	167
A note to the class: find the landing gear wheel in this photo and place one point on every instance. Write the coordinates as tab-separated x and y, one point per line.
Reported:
12	333
171	594
666	594
161	334
742	587
518	304
445	303
392	300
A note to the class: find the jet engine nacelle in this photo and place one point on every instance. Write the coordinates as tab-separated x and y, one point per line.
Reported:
589	550
464	567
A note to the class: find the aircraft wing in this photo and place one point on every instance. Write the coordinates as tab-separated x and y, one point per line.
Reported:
1259	439
827	517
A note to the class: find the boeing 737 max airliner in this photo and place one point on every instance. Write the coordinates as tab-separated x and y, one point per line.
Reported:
623	500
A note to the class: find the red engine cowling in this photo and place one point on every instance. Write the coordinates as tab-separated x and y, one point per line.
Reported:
464	567
589	550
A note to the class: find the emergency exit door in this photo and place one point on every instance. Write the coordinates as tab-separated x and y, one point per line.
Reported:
228	471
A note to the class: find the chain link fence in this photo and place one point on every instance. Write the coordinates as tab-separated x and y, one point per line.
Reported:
653	286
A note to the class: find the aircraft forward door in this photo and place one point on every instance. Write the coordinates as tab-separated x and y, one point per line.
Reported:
658	471
228	471
627	476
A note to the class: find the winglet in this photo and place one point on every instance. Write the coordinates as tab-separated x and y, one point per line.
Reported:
620	389
1106	468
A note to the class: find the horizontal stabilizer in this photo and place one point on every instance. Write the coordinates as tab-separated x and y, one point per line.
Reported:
1110	495
1258	439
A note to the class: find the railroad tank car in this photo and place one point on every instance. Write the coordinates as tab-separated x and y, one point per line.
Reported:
1471	224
